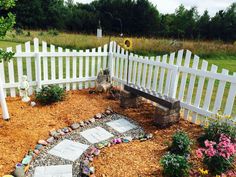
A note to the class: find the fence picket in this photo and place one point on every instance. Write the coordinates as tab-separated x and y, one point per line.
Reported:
99	62
53	64
134	70
162	75
149	82
144	76
155	77
184	76
105	57
81	75
28	67
60	66
93	68
45	62
169	75
19	63
117	60
130	68
191	85
122	64
74	70
126	65
199	90
231	98
220	93
11	74
67	70
87	68
139	71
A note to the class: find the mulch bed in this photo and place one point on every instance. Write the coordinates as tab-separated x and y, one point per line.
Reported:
29	124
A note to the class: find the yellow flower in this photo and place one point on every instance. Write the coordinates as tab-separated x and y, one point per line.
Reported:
203	172
128	44
217	175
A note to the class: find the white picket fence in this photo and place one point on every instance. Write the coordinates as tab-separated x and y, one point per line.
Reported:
202	92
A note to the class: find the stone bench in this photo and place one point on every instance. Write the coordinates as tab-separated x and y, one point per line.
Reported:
167	111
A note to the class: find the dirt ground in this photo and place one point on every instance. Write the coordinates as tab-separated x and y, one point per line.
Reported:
29	124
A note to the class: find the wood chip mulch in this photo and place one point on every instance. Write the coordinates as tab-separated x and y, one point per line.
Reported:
29	124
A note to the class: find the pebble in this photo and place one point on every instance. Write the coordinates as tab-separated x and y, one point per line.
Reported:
60	132
50	139
75	126
81	123
86	170
32	103
54	133
98	116
39	146
92	120
92	170
36	151
65	130
43	142
27	159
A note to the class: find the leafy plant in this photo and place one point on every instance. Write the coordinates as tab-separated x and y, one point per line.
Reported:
53	32
50	94
180	143
175	165
6	56
220	124
218	157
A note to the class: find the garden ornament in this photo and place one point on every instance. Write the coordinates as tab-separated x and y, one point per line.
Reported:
23	87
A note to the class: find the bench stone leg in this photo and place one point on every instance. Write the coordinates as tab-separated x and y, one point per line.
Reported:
129	100
165	117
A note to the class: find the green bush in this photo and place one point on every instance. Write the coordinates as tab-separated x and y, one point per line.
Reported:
214	130
50	94
53	32
180	143
175	165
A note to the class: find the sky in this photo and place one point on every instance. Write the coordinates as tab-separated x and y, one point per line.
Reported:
169	6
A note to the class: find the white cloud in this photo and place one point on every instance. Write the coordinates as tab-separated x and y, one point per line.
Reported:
169	6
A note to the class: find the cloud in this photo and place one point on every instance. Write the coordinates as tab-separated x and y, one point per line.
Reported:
169	6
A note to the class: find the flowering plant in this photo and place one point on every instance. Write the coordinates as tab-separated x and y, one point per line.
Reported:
218	156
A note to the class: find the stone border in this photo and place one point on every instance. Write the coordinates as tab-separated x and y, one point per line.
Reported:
87	156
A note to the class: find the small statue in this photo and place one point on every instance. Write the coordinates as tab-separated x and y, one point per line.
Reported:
23	87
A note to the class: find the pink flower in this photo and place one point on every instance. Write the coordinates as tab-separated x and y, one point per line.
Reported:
199	153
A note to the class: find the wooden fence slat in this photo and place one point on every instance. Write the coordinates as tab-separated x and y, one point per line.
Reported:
117	60
74	70
199	90
28	67
191	86
11	74
93	67
130	68
67	70
99	62
144	76
169	75
19	63
60	66
87	67
184	76
53	64
209	90
149	77
81	75
134	70
156	72
220	93
126	65
162	76
139	71
122	64
105	58
45	62
231	98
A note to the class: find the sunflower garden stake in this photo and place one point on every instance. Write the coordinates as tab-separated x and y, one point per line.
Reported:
128	45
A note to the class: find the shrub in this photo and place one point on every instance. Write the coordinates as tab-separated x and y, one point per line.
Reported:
50	94
19	31
218	157
180	143
175	165
53	32
217	126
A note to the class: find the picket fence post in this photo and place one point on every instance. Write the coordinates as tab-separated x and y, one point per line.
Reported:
3	103
38	71
110	59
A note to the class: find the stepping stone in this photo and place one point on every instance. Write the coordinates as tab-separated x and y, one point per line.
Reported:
69	150
121	125
53	171
95	135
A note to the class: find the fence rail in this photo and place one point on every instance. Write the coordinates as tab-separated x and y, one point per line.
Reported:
180	75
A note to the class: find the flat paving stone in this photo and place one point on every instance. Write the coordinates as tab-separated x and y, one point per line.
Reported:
69	150
121	125
95	135
53	171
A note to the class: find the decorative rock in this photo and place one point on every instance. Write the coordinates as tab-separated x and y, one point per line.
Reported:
39	146
75	126
60	132
50	140
36	151
32	103
92	170
108	112
87	122
90	159
54	133
43	142
86	162
86	170
27	159
82	123
92	120
65	130
98	116
127	139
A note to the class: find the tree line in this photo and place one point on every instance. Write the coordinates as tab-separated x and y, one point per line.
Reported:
131	17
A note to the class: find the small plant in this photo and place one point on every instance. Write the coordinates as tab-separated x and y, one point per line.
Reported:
6	56
53	32
220	124
175	165
50	94
180	143
218	157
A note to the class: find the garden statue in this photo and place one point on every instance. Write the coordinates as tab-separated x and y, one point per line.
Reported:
103	81
23	87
